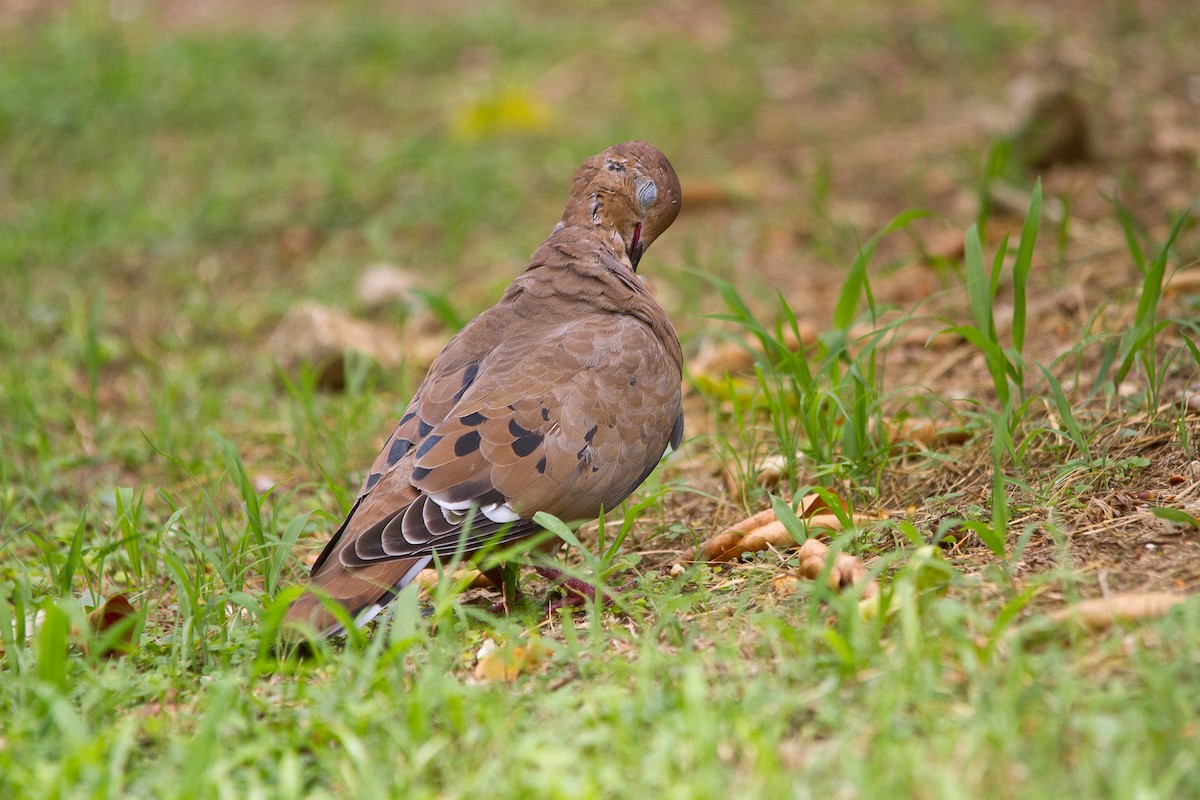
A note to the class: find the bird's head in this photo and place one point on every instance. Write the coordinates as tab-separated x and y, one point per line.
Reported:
631	191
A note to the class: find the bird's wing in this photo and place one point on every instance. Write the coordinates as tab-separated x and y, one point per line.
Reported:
563	415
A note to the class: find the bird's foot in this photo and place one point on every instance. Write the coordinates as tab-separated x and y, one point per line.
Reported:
577	592
504	578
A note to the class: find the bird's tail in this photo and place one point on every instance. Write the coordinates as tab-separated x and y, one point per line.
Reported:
363	592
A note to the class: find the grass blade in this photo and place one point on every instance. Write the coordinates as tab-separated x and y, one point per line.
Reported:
1023	264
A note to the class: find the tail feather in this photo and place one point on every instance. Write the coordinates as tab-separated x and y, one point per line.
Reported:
362	592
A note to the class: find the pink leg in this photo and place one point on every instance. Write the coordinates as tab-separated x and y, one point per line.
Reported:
577	592
503	580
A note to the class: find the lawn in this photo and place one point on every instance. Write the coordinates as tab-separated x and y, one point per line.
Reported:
937	265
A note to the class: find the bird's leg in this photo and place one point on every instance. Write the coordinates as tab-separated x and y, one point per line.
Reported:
504	578
578	591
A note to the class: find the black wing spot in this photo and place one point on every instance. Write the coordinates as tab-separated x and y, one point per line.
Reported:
406	418
473	419
397	450
467	443
420	473
428	445
374	479
467	379
526	441
545	414
541	465
423	428
633	381
587	437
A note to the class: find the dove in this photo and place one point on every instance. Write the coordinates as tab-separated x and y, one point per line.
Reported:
562	397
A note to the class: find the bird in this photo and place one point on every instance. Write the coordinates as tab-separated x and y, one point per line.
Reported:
562	398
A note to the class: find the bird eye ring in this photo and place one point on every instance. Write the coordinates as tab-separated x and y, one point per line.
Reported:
647	194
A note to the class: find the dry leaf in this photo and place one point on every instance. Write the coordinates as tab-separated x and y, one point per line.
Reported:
319	336
468	578
785	584
114	610
494	663
924	433
718	359
1185	281
1102	612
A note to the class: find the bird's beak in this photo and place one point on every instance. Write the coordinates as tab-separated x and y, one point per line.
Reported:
636	247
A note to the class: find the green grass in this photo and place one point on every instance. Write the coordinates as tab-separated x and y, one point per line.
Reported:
949	703
166	195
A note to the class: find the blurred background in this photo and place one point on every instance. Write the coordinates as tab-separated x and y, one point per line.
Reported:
177	177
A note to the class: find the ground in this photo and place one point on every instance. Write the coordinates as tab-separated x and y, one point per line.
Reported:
177	176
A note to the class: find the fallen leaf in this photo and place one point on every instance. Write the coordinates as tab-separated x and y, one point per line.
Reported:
1102	612
717	359
1185	281
117	609
925	434
467	578
785	584
494	663
313	334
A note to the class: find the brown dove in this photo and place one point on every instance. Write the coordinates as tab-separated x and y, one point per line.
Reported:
560	398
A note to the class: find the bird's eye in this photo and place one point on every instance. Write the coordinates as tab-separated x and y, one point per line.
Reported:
647	194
